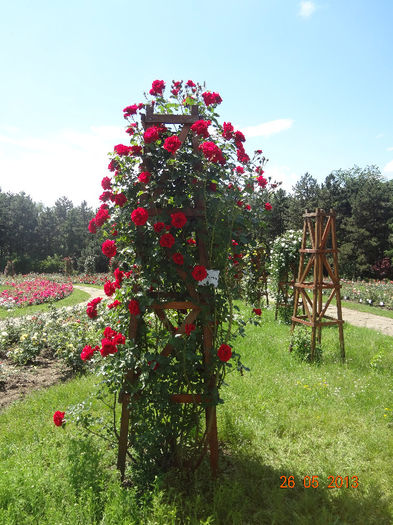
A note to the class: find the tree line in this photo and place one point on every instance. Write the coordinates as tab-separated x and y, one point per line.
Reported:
363	202
39	238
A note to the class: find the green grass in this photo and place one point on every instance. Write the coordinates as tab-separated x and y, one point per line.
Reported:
77	296
284	418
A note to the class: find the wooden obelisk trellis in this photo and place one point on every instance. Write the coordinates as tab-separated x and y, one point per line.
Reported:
318	262
197	299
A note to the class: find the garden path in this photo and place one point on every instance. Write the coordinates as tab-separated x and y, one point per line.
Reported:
367	320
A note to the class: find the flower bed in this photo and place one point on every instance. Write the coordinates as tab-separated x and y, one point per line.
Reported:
33	291
373	293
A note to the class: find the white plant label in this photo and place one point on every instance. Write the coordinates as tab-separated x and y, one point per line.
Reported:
212	278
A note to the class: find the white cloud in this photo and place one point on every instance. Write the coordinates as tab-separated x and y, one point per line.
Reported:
283	174
306	9
69	162
389	149
389	167
268	128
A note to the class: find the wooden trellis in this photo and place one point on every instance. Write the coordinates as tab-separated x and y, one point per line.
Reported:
320	264
190	308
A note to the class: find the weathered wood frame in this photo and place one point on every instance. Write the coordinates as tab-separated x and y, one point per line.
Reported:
318	228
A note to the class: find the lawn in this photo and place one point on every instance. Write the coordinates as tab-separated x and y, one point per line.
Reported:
284	418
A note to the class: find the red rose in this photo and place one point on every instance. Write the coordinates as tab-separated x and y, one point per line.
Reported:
212	152
190	83
114	304
227	130
157	87
87	353
257	311
130	110
268	206
239	137
234	243
200	128
58	418
167	240
120	199
178	219
133	307
211	98
239	169
109	288
92	226
191	241
109	333
136	150
175	91
262	181
189	328
112	166
106	183
131	129
144	177
178	258
139	216
122	150
248	207
213	186
151	135
109	248
240	203
119	339
172	144
158	226
106	196
199	273
153	364
107	347
102	216
224	353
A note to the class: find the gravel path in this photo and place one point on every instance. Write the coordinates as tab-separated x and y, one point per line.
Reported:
376	322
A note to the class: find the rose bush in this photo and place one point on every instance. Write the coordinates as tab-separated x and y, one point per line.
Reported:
179	218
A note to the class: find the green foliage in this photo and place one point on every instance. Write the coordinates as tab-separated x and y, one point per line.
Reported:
301	345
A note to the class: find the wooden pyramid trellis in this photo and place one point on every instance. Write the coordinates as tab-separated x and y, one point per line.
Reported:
191	308
319	232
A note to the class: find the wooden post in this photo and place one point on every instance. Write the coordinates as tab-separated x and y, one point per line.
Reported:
318	229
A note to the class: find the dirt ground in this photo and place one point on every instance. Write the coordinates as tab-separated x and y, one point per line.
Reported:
18	381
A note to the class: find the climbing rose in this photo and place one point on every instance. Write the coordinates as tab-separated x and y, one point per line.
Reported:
200	128
122	150
178	219
158	226
106	183
136	150
191	241
91	309
120	199
92	226
211	98
172	144
139	216
189	328
88	352
239	169
224	353
167	240
102	215
239	137
257	311
262	181
114	304
144	177
131	128
227	130
268	206
212	152
151	134
112	166
58	418
178	258
109	288
199	273
133	307
130	110
108	347
157	87
109	248
190	83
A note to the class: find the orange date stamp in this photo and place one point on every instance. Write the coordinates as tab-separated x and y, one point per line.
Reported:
313	482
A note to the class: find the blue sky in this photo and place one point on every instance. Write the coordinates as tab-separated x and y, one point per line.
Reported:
310	83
